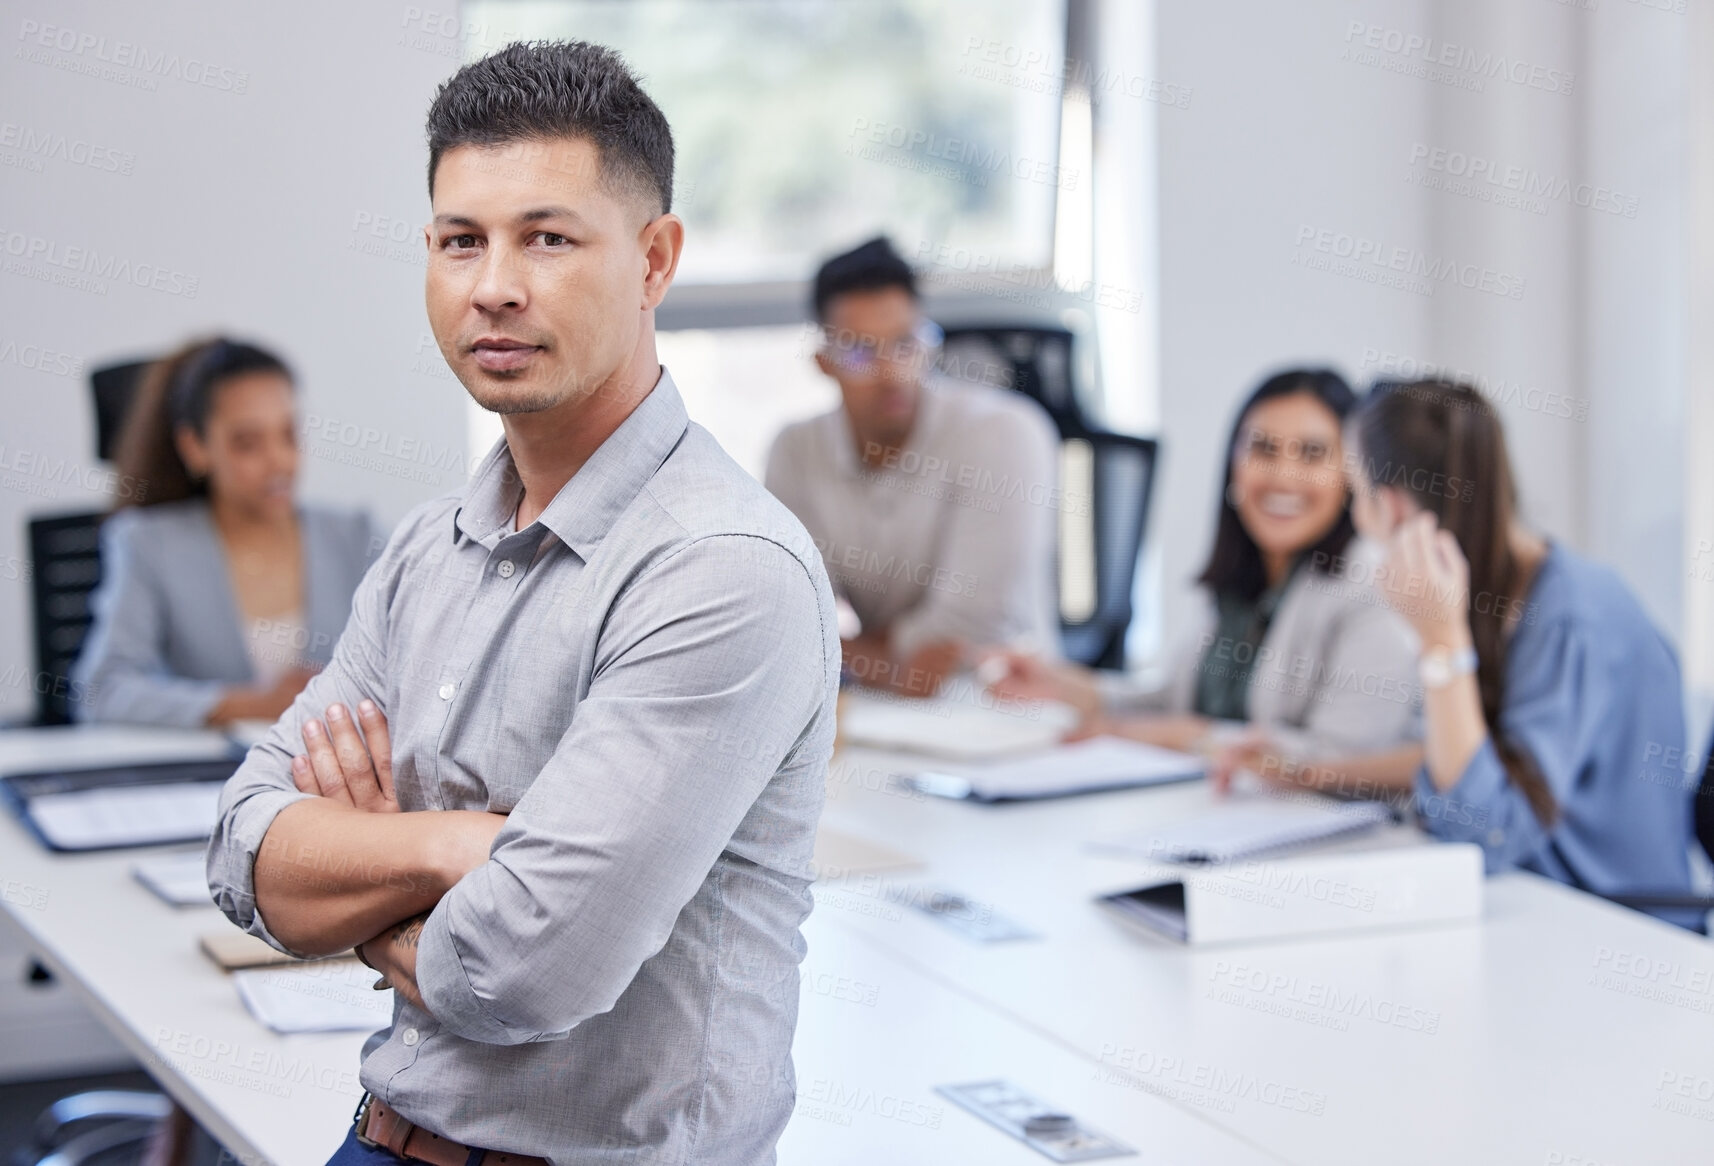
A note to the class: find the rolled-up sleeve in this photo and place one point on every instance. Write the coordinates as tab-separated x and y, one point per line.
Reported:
122	672
1554	698
263	786
712	668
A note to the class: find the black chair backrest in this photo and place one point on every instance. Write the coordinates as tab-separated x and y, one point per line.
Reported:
1033	361
1107	481
65	553
114	386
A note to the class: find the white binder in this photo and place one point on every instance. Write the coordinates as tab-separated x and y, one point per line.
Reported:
1261	898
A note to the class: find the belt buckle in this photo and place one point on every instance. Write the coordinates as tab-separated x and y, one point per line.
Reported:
360	1121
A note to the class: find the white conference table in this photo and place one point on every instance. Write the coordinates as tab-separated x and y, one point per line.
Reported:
1558	1034
1559	1029
875	1034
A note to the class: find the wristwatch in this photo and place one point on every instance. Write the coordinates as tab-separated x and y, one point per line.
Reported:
1440	666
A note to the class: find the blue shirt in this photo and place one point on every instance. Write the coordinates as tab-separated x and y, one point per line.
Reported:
1592	693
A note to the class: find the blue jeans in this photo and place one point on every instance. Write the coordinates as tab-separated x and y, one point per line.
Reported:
352	1152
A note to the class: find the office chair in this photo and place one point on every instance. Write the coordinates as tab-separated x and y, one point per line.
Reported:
65	551
64	1136
1703	805
1106	481
114	385
1027	359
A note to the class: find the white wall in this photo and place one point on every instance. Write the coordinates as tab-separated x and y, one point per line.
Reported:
259	196
1280	135
263	197
1286	131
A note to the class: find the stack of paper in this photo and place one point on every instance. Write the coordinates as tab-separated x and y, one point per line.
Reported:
324	996
181	878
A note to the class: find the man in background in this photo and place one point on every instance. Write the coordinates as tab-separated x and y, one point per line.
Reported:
931	500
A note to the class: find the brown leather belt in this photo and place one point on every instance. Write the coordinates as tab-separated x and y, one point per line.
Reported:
378	1124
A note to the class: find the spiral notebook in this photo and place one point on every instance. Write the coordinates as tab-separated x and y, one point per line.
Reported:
1247	830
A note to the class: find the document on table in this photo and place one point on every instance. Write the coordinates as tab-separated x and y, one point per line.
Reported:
1099	763
137	815
953	728
323	996
1247	829
840	855
180	879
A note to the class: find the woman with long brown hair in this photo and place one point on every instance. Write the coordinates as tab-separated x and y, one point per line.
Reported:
1544	683
221	595
1289	660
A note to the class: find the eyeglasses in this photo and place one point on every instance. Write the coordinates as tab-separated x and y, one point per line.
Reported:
862	354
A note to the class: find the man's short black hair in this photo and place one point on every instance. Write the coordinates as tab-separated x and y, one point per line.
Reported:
539	90
869	267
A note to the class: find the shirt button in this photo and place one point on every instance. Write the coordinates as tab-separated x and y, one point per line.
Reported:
505	568
1496	836
446	690
410	1036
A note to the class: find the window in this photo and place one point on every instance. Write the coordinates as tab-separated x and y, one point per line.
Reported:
804	126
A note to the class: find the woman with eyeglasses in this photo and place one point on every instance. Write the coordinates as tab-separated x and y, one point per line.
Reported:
1549	698
220	595
1293	657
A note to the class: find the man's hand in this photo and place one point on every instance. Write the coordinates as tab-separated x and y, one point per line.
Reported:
391	865
340	766
929	666
393	953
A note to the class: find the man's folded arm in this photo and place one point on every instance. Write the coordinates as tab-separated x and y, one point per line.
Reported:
713	668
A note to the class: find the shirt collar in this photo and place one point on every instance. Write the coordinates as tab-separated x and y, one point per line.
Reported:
586	506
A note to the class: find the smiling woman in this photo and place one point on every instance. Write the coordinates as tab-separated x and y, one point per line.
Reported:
1295	660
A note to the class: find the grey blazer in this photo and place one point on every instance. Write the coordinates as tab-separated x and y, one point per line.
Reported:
168	636
1335	674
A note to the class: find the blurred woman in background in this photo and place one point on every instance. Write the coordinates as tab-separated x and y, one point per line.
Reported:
1545	686
220	595
1289	659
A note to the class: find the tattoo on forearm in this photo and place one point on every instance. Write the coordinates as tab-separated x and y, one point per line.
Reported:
405	934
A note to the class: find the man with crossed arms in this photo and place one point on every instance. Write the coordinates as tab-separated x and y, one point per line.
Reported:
559	783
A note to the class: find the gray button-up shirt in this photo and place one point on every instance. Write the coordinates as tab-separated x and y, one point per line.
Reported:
644	678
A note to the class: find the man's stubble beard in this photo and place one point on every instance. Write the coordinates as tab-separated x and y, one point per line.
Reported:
504	400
